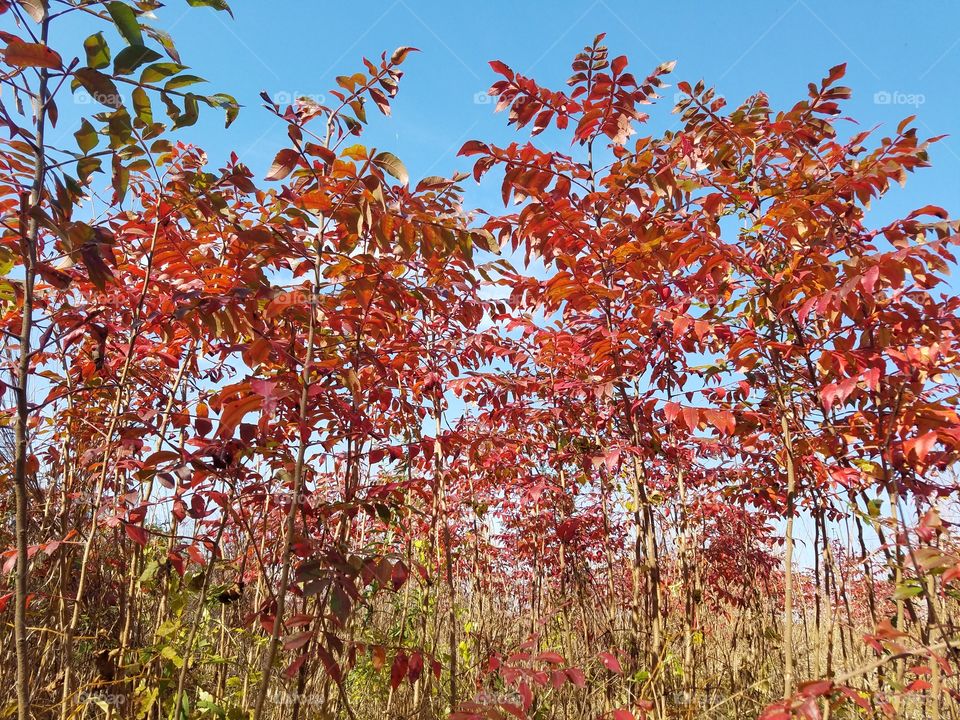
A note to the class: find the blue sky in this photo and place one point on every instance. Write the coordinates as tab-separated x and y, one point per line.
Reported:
292	47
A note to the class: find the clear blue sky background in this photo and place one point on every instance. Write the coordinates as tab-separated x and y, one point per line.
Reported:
298	47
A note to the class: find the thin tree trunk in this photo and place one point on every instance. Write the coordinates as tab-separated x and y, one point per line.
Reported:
289	526
788	659
21	431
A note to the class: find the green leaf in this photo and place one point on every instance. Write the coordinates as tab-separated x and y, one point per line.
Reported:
391	164
161	146
173	112
149	571
87	137
206	701
181	81
166	42
7	261
120	129
191	111
170	654
100	86
139	166
141	106
907	590
227	102
87	167
168	628
353	125
359	110
215	4
98	52
8	293
126	21
147	699
159	71
129	59
120	180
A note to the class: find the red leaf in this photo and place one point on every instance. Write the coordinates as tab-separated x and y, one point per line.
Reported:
501	69
415	667
473	147
283	164
577	677
869	279
294	667
136	533
398	670
294	642
550	657
329	663
526	695
52	275
567	530
809	709
610	662
399	575
816	688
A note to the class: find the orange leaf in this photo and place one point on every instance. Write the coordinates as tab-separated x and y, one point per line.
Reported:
920	446
670	411
233	413
22	54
